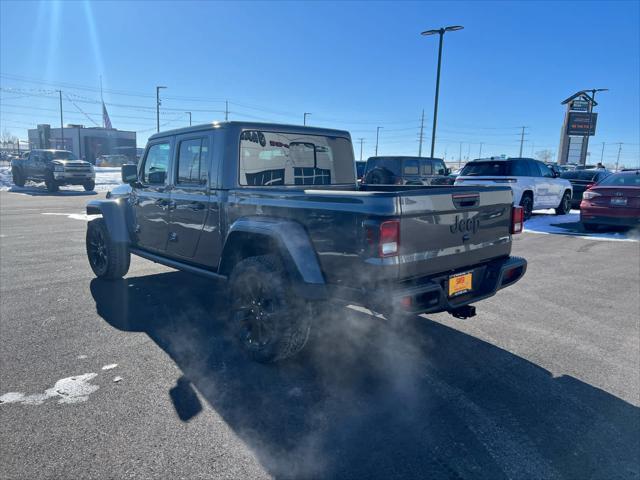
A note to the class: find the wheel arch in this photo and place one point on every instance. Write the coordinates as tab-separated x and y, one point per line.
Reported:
249	237
114	213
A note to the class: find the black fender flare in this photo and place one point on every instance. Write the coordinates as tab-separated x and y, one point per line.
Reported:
114	213
292	243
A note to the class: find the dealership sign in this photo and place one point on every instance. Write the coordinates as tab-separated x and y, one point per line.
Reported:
579	124
580	104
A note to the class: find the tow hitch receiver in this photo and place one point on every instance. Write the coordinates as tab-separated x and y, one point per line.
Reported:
466	311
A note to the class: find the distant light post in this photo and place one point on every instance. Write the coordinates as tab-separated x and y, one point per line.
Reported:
304	120
593	99
441	32
158	107
189	113
377	136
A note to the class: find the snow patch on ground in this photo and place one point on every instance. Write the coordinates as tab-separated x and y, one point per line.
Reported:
106	179
546	222
74	216
74	389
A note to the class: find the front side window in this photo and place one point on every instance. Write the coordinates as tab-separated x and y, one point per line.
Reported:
192	161
427	167
278	158
156	164
439	168
544	170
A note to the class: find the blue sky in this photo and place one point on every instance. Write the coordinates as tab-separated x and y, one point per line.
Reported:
352	65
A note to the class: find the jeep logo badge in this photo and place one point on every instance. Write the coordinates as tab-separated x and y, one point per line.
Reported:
461	225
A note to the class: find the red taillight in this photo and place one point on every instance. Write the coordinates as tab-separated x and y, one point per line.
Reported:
589	185
517	219
389	242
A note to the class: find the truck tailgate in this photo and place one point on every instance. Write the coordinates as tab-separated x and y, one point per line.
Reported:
453	229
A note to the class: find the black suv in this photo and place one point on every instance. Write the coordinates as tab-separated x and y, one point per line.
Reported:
406	171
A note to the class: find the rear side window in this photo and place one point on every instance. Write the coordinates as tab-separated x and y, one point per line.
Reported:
280	158
534	171
411	167
484	169
192	161
519	169
156	164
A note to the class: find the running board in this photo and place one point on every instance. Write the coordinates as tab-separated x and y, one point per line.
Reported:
178	265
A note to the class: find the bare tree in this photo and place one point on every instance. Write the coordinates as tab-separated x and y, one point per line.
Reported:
544	155
8	137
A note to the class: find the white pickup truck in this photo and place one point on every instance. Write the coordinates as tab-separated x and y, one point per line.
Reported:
534	184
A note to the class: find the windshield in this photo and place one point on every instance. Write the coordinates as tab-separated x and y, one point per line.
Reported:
60	155
621	180
484	169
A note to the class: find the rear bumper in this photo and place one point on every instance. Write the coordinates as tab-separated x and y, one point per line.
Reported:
430	294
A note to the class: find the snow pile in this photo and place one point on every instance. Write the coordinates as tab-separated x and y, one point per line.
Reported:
106	179
546	222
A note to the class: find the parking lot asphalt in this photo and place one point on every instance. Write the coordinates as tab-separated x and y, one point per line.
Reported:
542	383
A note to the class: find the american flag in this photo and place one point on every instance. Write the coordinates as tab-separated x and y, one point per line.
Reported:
105	117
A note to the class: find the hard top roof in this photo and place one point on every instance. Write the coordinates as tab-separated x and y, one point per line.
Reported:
239	125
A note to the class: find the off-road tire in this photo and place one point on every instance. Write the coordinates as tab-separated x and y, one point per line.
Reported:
18	178
526	202
51	184
108	259
89	186
565	204
269	321
378	176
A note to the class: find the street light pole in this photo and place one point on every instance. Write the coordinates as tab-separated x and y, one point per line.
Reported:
361	143
158	108
189	113
377	136
61	122
441	33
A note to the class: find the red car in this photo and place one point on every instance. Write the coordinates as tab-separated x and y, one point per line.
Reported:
614	201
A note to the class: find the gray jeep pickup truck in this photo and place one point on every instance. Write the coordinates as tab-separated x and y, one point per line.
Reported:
54	168
275	211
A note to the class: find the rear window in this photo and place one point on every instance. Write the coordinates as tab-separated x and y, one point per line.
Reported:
621	180
279	158
391	166
484	169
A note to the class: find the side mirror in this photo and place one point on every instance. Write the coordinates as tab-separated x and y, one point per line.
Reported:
129	174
